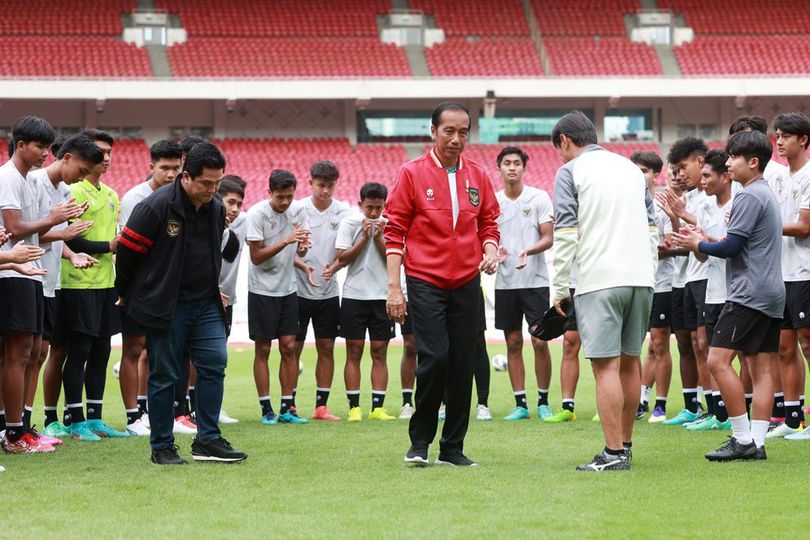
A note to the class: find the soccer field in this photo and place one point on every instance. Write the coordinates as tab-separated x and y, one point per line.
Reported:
340	480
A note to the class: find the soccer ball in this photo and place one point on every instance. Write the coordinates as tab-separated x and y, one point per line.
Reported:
499	362
117	369
300	367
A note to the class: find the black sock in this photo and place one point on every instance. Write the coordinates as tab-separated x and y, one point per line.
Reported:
295	392
354	399
27	417
179	408
75	413
142	407
66	421
749	399
50	416
321	397
2	420
610	452
377	399
192	398
407	397
709	403
133	415
520	400
792	419
690	400
627	445
542	397
483	400
662	403
94	409
14	432
720	411
801	408
568	405
778	410
286	404
267	408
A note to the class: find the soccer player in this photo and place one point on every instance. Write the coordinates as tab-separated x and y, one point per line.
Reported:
165	162
751	318
89	301
521	284
277	230
361	248
658	366
792	190
616	272
76	157
318	293
21	327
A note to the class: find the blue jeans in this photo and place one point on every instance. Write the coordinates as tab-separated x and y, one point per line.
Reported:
198	328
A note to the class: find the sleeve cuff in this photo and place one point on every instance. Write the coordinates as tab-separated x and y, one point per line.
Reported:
490	241
394	251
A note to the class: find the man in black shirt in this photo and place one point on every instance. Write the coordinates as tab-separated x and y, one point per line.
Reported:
168	267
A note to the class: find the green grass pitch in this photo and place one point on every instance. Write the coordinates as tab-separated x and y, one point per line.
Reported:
340	480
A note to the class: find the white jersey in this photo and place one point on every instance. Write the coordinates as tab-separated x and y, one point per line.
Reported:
519	225
230	270
19	193
793	195
772	170
715	226
324	227
276	275
367	276
665	272
50	196
698	204
131	200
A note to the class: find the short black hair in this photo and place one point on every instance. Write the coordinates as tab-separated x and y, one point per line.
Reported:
576	126
649	159
203	156
10	147
751	144
716	159
99	135
187	143
686	147
83	147
57	144
234	178
165	149
524	157
373	190
325	170
32	129
282	179
745	123
793	123
436	115
228	185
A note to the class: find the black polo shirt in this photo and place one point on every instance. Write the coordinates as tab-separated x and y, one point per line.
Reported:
198	278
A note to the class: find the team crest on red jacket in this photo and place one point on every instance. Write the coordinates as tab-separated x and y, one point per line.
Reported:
173	228
475	198
429	193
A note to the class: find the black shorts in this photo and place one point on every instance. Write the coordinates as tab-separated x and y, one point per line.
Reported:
23	307
711	313
325	316
271	317
228	320
88	311
797	305
512	305
129	326
676	321
357	316
693	302
661	313
571	326
741	328
51	316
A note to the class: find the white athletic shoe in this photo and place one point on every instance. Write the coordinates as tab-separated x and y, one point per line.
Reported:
781	431
482	413
138	428
442	412
2	469
145	420
225	418
800	436
181	426
406	412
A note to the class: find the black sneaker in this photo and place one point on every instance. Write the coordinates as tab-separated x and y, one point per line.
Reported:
455	460
628	451
643	409
168	456
607	462
216	450
761	455
417	456
733	450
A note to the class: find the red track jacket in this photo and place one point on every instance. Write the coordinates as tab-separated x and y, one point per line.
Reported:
420	216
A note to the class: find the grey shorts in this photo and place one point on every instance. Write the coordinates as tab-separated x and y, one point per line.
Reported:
614	321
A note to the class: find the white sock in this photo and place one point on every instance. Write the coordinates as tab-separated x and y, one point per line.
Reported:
741	429
759	428
645	394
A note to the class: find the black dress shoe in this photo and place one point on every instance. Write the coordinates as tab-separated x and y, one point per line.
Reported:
168	456
734	450
455	460
216	450
417	456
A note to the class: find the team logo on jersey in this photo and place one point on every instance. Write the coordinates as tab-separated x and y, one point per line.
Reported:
796	193
429	194
173	228
475	198
112	206
333	225
527	212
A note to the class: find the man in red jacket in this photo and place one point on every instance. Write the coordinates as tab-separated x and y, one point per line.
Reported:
443	208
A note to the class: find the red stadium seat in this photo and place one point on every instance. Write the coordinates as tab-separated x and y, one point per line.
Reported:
476	17
74	18
575	57
489	57
584	17
743	18
744	55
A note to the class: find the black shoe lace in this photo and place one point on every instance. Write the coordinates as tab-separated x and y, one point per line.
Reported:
728	444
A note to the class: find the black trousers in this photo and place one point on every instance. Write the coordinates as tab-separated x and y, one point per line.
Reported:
445	328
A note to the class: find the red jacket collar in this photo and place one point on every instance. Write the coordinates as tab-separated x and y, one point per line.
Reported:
436	161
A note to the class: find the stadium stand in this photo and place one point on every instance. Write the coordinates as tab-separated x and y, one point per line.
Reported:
742	18
83	18
744	55
475	17
592	56
487	57
584	18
